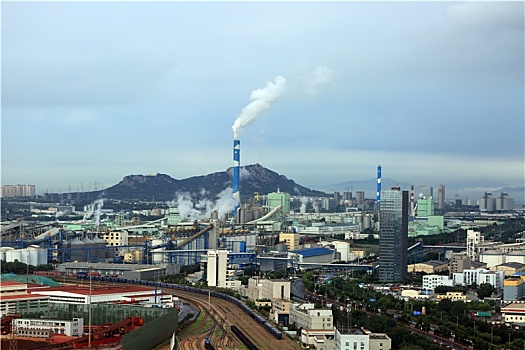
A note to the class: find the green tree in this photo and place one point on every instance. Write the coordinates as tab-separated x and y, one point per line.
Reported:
485	290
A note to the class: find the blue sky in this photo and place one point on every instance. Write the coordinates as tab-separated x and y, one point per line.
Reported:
94	91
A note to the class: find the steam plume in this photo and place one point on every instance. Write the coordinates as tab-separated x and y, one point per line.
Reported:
95	209
261	101
191	209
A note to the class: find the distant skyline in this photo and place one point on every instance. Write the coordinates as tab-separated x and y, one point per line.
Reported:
95	91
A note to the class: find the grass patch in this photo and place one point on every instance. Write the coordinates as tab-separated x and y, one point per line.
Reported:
196	326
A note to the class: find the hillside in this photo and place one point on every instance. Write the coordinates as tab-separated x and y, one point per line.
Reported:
162	187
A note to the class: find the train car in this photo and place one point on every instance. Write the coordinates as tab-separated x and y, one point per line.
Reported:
243	338
208	345
253	314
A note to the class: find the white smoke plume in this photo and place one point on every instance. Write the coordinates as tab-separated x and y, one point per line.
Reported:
304	202
202	209
225	202
184	204
94	209
261	101
321	75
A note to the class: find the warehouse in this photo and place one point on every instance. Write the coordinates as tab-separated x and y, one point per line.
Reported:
312	256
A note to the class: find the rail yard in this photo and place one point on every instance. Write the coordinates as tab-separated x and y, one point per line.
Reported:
218	315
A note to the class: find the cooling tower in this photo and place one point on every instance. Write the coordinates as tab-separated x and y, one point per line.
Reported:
236	174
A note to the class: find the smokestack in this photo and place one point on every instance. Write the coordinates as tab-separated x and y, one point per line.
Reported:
378	194
236	174
412	200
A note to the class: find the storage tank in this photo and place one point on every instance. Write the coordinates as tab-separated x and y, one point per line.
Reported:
42	256
3	253
24	256
33	256
89	247
281	248
157	258
516	256
100	245
78	253
367	221
12	255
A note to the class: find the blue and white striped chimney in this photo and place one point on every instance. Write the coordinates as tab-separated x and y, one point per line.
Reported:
236	174
378	193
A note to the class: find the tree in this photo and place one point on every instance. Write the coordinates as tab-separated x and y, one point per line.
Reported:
485	290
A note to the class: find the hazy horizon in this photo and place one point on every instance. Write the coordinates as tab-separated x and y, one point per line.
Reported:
320	92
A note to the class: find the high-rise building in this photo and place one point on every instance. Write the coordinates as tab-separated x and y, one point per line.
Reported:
360	197
17	191
216	268
441	197
393	235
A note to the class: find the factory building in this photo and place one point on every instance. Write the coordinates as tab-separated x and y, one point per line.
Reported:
278	198
45	328
429	267
313	256
489	203
72	268
271	289
116	239
425	207
102	295
273	261
514	287
358	338
14	297
510	268
513	313
498	256
290	239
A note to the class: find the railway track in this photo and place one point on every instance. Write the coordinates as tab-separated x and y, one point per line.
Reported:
233	315
225	314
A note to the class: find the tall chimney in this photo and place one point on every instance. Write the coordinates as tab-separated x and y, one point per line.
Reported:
378	193
236	174
412	213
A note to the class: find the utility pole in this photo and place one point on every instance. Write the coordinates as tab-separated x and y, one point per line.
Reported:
89	311
13	341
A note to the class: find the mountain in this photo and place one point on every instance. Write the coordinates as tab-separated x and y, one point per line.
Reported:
162	187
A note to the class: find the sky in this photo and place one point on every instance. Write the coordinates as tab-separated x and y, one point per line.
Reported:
94	91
